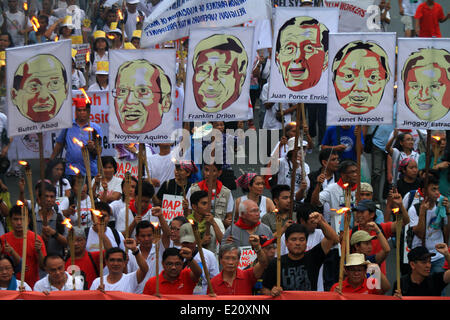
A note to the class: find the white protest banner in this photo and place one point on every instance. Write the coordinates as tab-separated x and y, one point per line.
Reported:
124	166
299	66
218	74
248	255
172	206
361	79
38	87
27	146
357	15
423	77
184	16
142	93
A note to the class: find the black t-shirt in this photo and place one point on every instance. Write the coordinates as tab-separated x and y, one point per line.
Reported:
296	275
171	187
404	187
430	286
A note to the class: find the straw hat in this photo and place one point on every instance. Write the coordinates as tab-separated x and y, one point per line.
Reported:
356	259
102	67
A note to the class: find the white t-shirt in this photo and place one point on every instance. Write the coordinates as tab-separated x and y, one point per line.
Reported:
410	7
160	167
432	236
27	287
92	241
44	284
96	87
313	239
213	269
66	186
114	185
78	80
128	283
116	206
151	262
120	221
14	23
130	26
285	172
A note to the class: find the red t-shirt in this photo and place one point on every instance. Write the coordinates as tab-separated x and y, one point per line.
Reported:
242	284
86	266
446	263
32	262
429	19
182	285
376	246
347	288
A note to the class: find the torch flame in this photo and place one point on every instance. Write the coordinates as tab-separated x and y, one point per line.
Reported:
275	211
88	100
97	213
74	169
25	6
341	210
110	37
173	160
23	163
78	142
437	138
67	223
87	57
191	221
35	23
345	185
155	224
88	129
395	210
19	203
119	12
137	19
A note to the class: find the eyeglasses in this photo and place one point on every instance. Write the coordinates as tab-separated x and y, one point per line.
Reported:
9	268
142	92
171	264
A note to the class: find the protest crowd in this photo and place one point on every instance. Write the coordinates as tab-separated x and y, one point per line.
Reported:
176	225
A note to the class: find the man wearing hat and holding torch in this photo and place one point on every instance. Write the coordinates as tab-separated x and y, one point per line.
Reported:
74	155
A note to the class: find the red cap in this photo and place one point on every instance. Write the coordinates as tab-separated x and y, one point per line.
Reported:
79	102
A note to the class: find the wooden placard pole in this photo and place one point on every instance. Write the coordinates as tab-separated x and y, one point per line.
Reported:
427	161
278	228
29	178
24	243
398	231
140	173
358	162
127	203
343	246
294	160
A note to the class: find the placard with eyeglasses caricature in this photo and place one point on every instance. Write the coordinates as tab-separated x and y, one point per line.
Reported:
218	74
299	61
142	94
361	78
38	88
423	74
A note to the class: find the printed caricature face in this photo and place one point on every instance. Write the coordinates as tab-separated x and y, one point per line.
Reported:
138	98
360	81
217	81
42	88
301	58
427	92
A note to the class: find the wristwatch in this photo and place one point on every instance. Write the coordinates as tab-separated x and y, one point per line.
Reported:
135	253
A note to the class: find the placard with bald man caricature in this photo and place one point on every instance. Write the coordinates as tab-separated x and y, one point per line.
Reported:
142	91
361	79
38	88
423	75
218	74
299	62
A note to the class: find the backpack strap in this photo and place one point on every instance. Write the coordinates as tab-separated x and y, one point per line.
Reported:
412	193
116	236
417	207
93	263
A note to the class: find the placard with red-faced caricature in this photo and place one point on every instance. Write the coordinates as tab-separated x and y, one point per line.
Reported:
142	94
218	74
423	92
38	88
361	79
299	62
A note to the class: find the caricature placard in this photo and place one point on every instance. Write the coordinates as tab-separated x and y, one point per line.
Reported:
299	65
218	74
361	79
142	93
38	88
423	75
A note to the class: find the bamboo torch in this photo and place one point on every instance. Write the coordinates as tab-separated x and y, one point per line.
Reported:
122	25
347	215
25	23
127	202
87	164
79	181
68	225
156	238
202	256
398	229
344	211
24	241
99	217
294	160
436	149
278	226
140	173
98	149
29	178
